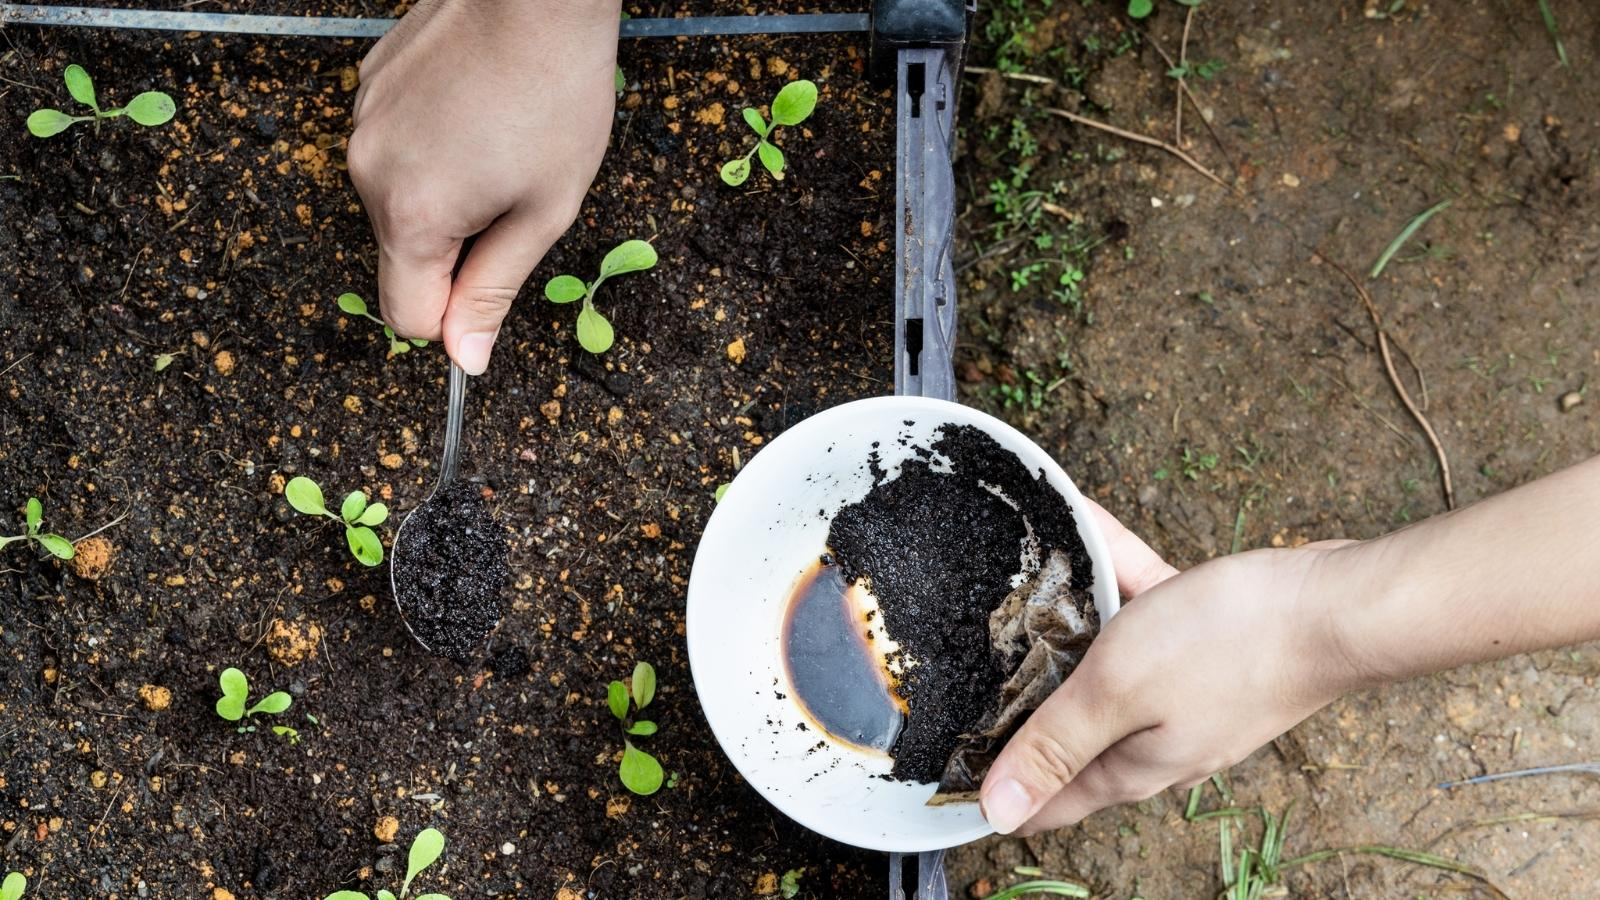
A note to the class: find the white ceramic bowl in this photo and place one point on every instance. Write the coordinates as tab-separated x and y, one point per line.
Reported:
761	538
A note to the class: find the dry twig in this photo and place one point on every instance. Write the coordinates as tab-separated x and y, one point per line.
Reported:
1185	90
1183	61
1147	140
1394	378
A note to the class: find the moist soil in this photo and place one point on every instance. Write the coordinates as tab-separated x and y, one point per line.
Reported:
1193	367
449	570
939	550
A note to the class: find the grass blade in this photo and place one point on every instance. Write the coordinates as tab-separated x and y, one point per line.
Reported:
1555	32
1225	852
1415	857
1405	235
1050	888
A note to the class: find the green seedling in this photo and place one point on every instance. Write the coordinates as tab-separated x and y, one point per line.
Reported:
353	305
232	707
13	887
355	514
789	885
640	772
425	851
1139	9
594	330
54	544
792	106
149	108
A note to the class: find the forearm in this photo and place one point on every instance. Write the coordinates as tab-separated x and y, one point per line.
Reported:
1514	573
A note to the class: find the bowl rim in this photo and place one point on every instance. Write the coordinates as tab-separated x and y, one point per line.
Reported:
895	408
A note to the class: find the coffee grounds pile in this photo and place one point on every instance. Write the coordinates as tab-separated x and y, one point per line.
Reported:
938	550
449	566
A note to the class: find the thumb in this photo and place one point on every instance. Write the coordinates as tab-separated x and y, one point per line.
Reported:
1052	748
499	262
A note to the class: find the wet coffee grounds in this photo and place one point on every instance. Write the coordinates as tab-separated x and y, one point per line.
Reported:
449	567
939	549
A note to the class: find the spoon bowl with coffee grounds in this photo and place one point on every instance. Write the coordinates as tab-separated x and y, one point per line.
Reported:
449	561
806	588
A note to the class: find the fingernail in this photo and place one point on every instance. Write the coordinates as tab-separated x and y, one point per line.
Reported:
473	351
1006	805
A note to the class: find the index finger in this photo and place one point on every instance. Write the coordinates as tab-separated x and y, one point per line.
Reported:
1138	567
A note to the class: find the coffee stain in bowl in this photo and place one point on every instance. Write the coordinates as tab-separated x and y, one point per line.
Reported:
835	652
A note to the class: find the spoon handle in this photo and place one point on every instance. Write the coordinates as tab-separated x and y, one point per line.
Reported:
452	425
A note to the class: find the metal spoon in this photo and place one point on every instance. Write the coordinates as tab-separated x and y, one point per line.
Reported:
455	412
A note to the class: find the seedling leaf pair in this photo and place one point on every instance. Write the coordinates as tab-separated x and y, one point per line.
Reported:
33	518
150	108
353	305
640	772
792	106
594	330
355	513
13	887
232	705
426	849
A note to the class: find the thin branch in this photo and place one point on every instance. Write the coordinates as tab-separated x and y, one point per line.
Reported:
1014	76
1394	378
111	524
1183	87
1183	61
1147	140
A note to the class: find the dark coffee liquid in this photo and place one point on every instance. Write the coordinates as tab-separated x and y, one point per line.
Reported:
836	673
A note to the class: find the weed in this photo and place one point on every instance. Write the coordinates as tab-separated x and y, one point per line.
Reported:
231	706
1051	888
1194	464
1138	9
13	887
792	106
1555	31
1252	455
355	514
1031	393
1205	71
54	544
425	851
1405	234
594	330
149	108
353	305
789	885
640	772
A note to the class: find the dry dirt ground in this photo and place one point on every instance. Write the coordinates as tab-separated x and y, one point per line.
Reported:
1221	389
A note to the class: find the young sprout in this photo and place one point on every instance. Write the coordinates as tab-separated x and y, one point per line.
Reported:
149	108
425	850
640	772
354	513
54	544
355	306
236	693
594	330
791	107
13	887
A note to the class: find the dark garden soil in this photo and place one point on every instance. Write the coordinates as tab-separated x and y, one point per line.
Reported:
223	239
449	569
1180	349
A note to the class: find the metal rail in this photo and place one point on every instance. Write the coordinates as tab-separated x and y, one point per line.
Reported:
334	27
